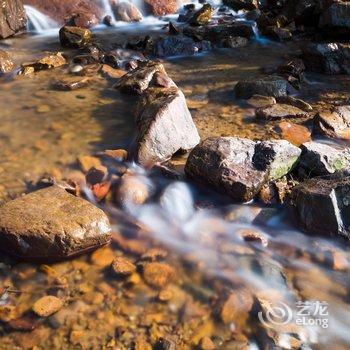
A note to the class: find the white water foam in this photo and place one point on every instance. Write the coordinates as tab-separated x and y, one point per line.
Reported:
38	22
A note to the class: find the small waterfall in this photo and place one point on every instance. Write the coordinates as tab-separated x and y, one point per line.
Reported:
107	8
37	21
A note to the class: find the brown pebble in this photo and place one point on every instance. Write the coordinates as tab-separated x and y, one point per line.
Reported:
236	305
165	295
47	306
206	344
154	254
87	162
158	275
101	190
115	154
123	267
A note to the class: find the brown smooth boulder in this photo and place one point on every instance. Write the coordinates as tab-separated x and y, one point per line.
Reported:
51	224
12	17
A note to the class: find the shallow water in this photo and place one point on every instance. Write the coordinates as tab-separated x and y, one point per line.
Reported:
43	131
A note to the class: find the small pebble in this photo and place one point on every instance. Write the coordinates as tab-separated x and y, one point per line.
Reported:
47	306
123	267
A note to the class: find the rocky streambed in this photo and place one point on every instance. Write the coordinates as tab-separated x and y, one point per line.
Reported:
176	187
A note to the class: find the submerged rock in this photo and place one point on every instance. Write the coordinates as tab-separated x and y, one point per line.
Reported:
240	167
122	267
12	18
279	111
51	224
334	123
165	126
329	58
322	206
322	159
47	306
6	64
75	37
274	86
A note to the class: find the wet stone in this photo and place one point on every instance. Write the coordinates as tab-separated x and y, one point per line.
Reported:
131	190
51	224
273	86
75	37
202	16
47	306
294	133
259	101
279	111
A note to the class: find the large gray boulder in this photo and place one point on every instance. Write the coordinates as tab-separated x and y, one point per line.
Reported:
322	159
164	126
51	224
322	206
239	167
12	18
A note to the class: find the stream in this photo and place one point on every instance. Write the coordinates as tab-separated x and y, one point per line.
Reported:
215	246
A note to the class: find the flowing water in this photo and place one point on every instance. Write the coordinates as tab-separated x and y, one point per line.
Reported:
38	22
43	131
